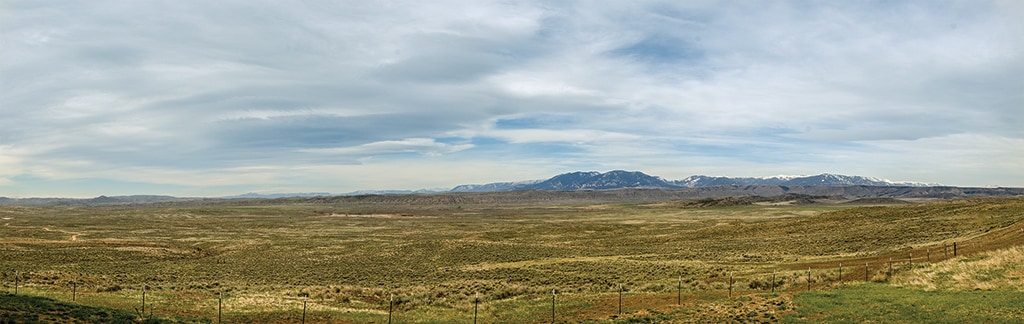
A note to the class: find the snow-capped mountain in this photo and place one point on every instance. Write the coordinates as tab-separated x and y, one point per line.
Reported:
824	179
497	186
619	179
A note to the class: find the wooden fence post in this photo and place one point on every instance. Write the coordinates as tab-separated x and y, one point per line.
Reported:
773	280
391	307
679	291
954	249
620	298
841	273
220	303
476	304
866	272
552	306
808	278
890	267
730	284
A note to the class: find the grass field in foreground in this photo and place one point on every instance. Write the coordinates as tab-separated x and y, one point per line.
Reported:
266	259
30	309
883	303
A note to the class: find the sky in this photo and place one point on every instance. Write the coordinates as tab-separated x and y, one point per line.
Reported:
213	98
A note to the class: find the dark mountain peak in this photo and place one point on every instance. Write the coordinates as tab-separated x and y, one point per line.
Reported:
566	181
594	180
627	174
577	175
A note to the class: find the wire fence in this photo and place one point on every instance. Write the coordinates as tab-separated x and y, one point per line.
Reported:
791	278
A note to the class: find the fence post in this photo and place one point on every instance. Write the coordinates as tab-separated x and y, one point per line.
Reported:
304	308
841	273
552	306
773	280
910	259
143	300
220	303
954	249
620	298
730	284
16	278
808	278
866	279
928	255
679	291
476	304
890	267
391	307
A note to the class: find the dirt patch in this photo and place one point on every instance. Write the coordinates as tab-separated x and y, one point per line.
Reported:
523	264
377	216
780	203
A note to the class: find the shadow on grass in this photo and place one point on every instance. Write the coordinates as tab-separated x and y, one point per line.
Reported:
30	309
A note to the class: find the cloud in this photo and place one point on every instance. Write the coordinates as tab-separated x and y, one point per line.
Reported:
273	90
562	136
424	146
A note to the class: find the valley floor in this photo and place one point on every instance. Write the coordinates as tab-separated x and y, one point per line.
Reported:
671	261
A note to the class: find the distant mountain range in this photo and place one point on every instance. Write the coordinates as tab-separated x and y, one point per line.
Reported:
615	185
101	200
619	179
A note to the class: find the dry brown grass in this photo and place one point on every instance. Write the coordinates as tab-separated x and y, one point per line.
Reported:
993	270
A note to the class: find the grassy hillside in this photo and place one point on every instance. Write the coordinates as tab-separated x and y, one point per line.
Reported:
977	288
999	270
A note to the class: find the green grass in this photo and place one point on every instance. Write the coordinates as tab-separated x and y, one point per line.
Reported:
31	309
882	303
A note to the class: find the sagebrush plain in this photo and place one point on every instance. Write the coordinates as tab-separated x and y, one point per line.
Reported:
708	260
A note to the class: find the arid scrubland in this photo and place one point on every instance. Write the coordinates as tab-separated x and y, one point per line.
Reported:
673	260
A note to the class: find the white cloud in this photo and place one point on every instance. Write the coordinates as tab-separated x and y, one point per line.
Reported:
186	89
572	136
424	146
947	157
528	85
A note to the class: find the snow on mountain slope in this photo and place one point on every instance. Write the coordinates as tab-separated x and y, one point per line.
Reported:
593	180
